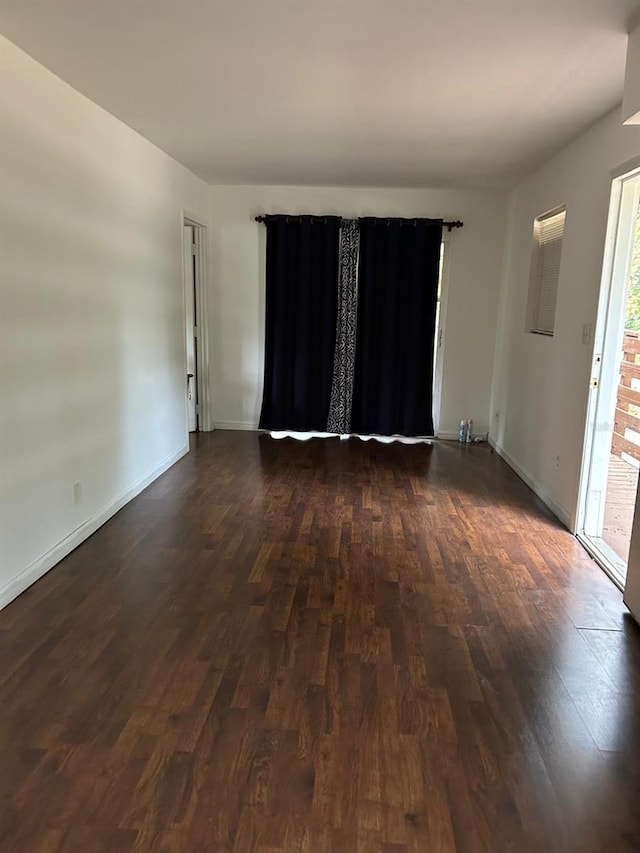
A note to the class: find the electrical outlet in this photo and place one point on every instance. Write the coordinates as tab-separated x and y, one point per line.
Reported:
77	493
557	462
497	415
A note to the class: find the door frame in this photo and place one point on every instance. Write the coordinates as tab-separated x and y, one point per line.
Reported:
204	420
613	286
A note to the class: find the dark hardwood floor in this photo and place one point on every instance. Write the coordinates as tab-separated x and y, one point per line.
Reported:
322	646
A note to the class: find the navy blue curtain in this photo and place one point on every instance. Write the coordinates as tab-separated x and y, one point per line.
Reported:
397	299
300	328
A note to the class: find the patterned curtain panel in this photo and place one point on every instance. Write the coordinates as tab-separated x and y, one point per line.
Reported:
339	420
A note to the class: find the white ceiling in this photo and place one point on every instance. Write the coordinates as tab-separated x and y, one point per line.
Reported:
340	92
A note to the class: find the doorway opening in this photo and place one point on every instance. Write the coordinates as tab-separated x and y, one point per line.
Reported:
193	246
611	462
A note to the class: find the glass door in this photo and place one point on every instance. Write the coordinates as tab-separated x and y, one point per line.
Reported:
612	451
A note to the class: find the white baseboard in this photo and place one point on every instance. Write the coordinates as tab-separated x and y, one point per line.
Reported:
47	561
453	436
559	511
244	425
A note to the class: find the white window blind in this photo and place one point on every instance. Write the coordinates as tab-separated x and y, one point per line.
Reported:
545	271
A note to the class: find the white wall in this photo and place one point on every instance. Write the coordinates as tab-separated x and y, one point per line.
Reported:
91	307
541	384
631	98
237	258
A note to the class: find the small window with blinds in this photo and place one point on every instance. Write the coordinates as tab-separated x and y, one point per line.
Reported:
548	233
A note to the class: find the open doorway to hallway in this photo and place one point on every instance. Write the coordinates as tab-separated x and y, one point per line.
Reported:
612	451
193	254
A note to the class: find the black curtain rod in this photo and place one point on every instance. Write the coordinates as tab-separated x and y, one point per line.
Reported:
449	225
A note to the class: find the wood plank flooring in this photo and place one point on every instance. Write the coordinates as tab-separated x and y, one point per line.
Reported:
322	647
